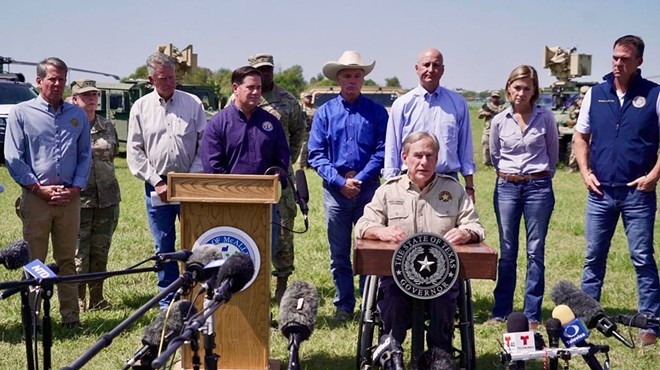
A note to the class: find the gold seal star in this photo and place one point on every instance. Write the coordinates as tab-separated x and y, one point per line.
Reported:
445	196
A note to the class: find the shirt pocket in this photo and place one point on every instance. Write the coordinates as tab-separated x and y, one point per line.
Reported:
509	139
535	139
398	213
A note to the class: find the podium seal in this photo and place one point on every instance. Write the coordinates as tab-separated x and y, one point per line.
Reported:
425	266
231	240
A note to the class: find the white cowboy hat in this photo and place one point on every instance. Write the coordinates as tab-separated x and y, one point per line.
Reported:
350	59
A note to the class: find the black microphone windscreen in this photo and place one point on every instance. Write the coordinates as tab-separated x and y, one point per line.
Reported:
553	327
301	185
436	359
238	269
582	305
15	255
201	257
179	312
54	268
298	309
516	322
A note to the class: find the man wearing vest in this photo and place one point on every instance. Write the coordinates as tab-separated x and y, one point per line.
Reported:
616	146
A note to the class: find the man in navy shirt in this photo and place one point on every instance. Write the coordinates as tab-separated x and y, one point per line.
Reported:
243	138
346	148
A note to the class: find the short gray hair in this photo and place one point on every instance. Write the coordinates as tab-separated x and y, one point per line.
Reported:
417	136
159	59
52	61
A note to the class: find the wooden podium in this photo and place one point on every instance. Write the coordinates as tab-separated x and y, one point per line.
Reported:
242	326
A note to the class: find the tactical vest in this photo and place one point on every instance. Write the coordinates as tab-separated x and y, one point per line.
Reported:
624	139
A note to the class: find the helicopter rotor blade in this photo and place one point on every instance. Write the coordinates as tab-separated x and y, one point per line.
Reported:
70	69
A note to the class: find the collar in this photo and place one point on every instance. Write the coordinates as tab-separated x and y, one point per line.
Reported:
408	184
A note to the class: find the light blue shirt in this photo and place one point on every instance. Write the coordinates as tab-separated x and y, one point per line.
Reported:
534	150
347	137
47	146
443	113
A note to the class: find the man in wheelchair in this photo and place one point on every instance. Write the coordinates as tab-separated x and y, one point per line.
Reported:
420	201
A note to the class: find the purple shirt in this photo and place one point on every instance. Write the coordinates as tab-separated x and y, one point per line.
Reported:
232	144
534	150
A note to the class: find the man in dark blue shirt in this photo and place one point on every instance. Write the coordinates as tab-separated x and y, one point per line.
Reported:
243	138
346	148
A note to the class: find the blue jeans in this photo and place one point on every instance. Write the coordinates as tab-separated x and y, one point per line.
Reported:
637	210
341	214
533	200
162	225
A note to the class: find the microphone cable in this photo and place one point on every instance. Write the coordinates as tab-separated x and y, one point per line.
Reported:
275	170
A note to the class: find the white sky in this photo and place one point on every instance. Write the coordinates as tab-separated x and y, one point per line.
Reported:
482	41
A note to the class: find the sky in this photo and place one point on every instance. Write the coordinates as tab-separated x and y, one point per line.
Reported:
482	41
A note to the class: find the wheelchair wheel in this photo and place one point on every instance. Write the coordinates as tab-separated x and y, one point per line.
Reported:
467	355
369	323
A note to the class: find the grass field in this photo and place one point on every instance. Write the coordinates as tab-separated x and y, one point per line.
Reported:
332	346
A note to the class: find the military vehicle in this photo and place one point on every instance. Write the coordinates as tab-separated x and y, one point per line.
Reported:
565	65
382	95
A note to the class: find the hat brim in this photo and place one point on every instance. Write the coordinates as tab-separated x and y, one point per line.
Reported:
263	64
86	89
330	69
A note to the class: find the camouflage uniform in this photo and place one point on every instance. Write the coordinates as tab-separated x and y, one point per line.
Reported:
573	113
99	211
285	107
487	112
308	113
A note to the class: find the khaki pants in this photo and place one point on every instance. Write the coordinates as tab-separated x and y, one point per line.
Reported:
61	223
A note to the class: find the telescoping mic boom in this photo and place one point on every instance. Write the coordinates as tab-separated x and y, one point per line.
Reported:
588	309
298	310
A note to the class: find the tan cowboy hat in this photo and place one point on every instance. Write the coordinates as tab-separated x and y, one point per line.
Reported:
350	59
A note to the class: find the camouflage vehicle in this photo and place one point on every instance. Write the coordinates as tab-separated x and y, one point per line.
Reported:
117	99
382	95
565	65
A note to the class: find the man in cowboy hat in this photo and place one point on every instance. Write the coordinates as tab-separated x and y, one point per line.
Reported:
432	108
346	146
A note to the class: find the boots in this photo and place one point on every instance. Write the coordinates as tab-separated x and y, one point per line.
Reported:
281	288
96	300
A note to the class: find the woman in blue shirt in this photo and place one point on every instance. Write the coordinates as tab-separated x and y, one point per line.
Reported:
524	148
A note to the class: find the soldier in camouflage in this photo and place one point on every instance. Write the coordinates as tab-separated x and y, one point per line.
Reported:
573	113
284	106
308	109
487	112
99	201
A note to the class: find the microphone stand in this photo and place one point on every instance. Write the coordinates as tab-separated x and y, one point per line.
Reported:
210	358
47	341
191	329
26	314
105	340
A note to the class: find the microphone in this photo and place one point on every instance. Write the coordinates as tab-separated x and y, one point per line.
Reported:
436	359
298	309
388	354
200	258
152	334
11	291
302	191
638	320
181	255
574	334
554	330
518	338
15	255
232	276
588	308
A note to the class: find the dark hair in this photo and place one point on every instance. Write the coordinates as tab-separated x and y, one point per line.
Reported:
239	74
524	71
52	61
633	41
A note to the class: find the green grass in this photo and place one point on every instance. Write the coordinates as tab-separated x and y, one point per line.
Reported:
332	346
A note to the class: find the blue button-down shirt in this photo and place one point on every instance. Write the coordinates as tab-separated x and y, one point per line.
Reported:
51	147
443	113
236	145
348	137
